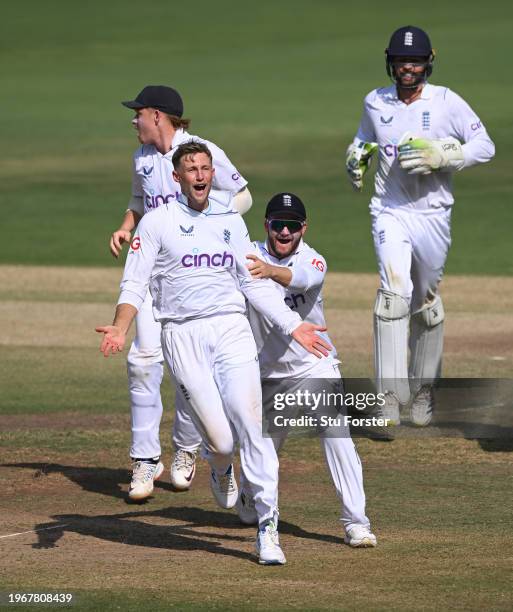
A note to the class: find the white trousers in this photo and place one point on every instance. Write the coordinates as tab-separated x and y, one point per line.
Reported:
215	366
339	450
411	249
145	371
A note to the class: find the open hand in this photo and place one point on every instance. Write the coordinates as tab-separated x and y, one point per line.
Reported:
310	341
113	339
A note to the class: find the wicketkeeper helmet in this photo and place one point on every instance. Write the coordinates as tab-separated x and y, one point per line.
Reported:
409	41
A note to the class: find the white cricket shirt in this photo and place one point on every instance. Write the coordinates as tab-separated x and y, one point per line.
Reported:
195	265
279	355
438	113
152	178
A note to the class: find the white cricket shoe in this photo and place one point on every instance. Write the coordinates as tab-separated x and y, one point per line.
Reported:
224	488
246	509
143	475
268	545
360	536
183	469
421	411
390	410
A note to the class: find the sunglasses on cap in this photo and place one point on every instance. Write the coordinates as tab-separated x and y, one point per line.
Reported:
293	225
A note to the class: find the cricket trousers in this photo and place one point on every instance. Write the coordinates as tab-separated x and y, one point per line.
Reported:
214	363
145	367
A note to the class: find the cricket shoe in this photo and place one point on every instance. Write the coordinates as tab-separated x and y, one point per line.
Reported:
390	410
360	536
246	509
143	475
268	545
224	488
421	411
183	469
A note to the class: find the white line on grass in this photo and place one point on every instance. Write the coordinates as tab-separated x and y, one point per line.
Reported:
11	535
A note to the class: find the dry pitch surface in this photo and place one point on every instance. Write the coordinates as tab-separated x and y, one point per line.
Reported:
440	507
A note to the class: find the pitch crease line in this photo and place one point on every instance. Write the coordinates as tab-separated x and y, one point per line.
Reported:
11	535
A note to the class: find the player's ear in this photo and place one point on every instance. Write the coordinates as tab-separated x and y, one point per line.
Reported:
304	228
176	176
266	226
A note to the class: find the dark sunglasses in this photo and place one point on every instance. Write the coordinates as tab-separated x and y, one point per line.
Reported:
293	225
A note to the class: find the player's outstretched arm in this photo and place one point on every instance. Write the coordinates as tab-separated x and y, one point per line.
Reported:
114	336
310	341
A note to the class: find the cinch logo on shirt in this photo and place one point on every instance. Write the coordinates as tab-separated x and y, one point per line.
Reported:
390	150
156	201
200	260
294	299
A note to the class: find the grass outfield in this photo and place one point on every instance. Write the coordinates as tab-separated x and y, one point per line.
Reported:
278	84
438	506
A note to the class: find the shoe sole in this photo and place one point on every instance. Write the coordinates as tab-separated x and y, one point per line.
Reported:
274	562
158	474
365	543
184	487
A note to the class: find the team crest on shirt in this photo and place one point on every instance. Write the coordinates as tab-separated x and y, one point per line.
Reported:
386	121
227	235
187	232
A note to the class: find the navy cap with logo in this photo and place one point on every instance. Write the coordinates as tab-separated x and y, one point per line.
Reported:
285	206
165	99
409	41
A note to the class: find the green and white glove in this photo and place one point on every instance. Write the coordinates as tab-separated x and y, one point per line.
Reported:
358	159
422	156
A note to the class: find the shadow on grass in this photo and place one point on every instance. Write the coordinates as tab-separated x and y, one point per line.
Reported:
124	528
102	480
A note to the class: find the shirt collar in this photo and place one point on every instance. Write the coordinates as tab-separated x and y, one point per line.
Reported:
182	200
180	136
426	94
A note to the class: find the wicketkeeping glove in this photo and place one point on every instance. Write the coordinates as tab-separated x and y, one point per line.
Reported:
358	159
422	156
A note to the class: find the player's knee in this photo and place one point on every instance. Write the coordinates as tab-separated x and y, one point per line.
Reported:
220	447
145	379
390	305
432	313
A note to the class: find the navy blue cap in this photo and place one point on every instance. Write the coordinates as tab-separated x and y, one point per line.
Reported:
286	206
165	99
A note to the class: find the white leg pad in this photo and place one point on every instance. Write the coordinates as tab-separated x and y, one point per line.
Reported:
426	344
391	317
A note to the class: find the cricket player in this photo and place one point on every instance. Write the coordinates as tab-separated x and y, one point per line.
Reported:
299	273
422	134
192	254
160	129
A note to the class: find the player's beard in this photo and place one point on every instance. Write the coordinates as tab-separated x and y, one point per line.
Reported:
291	246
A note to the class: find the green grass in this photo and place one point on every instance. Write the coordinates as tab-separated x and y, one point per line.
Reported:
278	85
37	380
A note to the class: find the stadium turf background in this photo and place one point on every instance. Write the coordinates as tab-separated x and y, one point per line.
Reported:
279	85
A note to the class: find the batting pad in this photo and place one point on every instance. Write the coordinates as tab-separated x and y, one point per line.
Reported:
426	344
391	318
